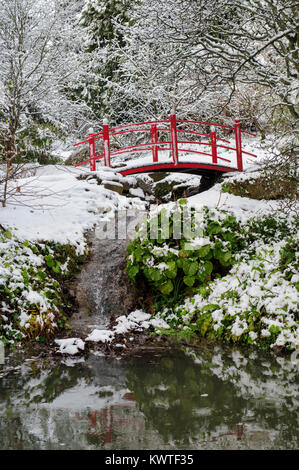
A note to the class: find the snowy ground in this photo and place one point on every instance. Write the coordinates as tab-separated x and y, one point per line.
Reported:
55	205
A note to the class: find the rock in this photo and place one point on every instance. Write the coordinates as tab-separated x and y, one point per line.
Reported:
114	186
158	176
127	186
146	184
136	192
163	190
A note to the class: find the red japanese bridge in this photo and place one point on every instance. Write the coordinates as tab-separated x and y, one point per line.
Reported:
171	154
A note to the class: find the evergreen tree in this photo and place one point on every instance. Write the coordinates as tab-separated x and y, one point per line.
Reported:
102	21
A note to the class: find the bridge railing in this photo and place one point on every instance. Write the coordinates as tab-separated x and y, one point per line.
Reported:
173	144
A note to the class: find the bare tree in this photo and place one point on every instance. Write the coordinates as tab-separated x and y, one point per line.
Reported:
39	63
223	57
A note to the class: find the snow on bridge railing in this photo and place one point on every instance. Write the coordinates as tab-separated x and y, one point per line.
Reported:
154	146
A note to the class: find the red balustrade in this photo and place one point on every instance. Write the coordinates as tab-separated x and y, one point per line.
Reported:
173	144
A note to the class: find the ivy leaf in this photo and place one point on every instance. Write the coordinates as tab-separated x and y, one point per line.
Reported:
189	280
171	265
214	228
274	329
186	264
190	267
49	260
167	287
155	274
203	251
208	267
8	234
172	274
182	202
132	271
56	268
193	268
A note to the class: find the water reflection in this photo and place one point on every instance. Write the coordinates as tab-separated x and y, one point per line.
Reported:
180	399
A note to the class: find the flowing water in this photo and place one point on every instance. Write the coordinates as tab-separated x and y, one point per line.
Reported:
175	399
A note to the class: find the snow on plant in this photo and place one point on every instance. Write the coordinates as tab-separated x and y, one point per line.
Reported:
241	283
31	297
180	250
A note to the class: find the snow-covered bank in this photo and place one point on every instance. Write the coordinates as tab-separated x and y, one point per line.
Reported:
251	297
54	205
42	243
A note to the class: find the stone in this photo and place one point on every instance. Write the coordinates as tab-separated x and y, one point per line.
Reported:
117	188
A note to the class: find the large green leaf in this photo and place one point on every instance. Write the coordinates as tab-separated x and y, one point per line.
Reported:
190	267
132	271
214	228
172	274
166	288
171	265
189	280
155	274
203	251
208	267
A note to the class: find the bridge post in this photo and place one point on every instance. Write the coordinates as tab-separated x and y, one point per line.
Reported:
214	144
238	145
174	138
92	151
154	142
106	141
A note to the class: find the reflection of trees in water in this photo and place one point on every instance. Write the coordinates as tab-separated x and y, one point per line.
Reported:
169	393
240	391
20	395
42	383
27	418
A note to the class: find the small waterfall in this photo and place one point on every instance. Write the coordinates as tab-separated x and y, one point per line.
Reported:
102	288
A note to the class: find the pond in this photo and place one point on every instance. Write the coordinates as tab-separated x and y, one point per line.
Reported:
163	399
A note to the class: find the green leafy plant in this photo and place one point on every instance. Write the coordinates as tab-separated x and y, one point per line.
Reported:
176	267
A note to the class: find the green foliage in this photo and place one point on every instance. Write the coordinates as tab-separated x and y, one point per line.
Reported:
34	142
33	302
223	288
166	263
98	18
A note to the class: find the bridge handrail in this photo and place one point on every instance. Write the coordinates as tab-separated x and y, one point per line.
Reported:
138	124
155	145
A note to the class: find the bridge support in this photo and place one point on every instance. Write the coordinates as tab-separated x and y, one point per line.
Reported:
154	142
238	145
106	142
214	145
92	152
174	138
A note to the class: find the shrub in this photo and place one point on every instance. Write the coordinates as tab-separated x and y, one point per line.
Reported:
32	300
175	267
238	285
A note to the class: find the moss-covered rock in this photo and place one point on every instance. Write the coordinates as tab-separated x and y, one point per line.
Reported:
114	186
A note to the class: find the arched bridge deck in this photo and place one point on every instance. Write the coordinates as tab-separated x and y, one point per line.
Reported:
166	151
